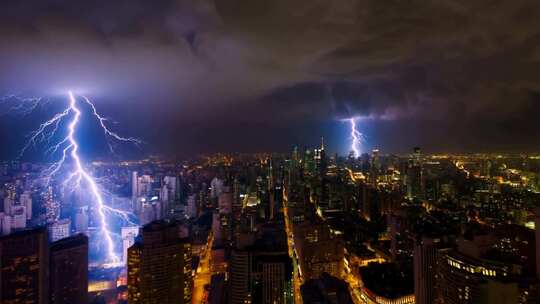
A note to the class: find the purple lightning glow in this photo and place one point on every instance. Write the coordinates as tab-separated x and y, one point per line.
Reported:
357	138
108	133
78	175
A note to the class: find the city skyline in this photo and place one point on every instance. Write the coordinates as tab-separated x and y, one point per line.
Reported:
269	152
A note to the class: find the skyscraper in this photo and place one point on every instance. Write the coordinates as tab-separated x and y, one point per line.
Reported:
128	235
261	269
24	272
69	270
59	230
425	260
415	178
134	184
159	269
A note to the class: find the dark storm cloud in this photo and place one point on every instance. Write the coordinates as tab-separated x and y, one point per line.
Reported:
460	64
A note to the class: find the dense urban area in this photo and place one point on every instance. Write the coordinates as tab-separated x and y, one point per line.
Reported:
302	227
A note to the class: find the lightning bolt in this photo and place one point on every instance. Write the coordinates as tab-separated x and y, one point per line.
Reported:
110	134
22	105
357	138
78	175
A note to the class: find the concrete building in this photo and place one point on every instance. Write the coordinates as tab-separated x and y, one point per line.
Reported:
24	274
159	266
69	270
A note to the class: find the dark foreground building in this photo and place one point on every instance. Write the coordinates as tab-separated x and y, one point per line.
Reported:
24	269
69	270
159	267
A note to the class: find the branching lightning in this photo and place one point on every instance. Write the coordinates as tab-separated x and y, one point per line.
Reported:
357	138
110	134
77	175
22	105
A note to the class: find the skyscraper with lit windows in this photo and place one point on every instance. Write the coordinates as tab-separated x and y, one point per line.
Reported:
159	266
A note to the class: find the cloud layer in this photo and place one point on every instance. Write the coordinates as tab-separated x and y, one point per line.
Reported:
465	70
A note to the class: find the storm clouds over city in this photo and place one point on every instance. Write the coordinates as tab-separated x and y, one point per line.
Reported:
448	75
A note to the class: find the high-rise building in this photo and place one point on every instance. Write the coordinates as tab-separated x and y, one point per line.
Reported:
51	204
81	220
69	270
425	264
134	184
18	217
5	223
26	201
24	275
128	235
464	279
415	176
159	266
319	250
216	187
239	277
261	269
59	230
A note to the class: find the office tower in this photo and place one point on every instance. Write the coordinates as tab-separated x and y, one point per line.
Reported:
24	275
374	166
192	210
237	199
414	177
261	269
8	203
18	217
425	260
51	204
275	277
81	220
5	221
225	202
69	270
148	213
159	266
59	230
321	161
128	235
319	250
216	187
309	163
239	277
164	198
171	182
134	184
464	279
26	201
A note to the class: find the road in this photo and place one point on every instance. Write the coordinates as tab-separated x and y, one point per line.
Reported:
297	280
203	274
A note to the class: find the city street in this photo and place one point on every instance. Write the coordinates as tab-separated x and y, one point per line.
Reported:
203	275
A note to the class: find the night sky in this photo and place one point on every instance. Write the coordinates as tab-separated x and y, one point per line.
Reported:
192	76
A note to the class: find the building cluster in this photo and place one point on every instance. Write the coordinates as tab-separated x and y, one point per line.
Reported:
34	270
301	227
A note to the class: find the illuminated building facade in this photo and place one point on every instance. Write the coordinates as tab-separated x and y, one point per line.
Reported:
159	266
24	275
319	251
463	279
261	269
